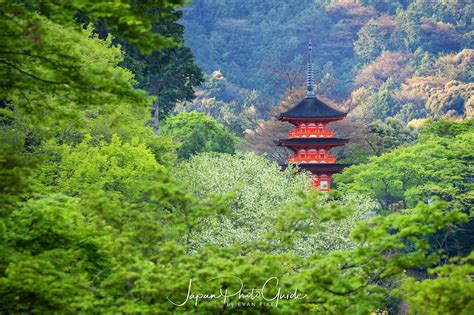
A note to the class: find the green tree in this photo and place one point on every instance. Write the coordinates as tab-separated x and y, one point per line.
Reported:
170	74
371	42
60	81
95	251
438	165
435	166
196	132
385	136
364	279
58	66
450	292
407	33
47	255
385	105
131	20
41	63
423	61
102	105
386	6
116	168
377	104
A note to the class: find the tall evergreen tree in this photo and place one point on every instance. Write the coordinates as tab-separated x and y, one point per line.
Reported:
170	74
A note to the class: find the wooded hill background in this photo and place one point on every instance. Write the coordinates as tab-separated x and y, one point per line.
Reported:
407	59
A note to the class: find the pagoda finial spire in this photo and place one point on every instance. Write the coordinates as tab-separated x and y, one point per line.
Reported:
309	72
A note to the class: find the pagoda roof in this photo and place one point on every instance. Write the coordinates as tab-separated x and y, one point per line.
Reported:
320	167
312	107
312	142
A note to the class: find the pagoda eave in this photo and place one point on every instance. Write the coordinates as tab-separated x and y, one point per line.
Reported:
323	119
320	168
311	109
317	142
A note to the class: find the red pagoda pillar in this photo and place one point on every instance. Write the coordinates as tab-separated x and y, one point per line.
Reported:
311	140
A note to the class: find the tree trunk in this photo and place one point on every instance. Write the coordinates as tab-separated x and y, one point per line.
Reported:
372	147
156	117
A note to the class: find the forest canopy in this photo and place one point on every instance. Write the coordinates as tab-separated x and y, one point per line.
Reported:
379	59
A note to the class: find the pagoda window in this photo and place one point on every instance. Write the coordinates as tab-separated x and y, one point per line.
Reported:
323	184
321	128
303	128
321	154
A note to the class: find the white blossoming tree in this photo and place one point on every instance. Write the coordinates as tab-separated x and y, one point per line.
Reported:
259	192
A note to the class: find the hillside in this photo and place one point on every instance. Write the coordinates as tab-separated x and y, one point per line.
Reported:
409	59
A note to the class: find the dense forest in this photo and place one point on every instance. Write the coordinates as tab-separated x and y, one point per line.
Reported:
379	59
139	172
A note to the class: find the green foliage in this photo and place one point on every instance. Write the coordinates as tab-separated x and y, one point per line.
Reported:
247	42
436	166
356	281
103	214
196	132
64	254
116	168
170	74
16	166
378	104
384	105
386	136
239	114
408	29
386	5
37	75
131	260
48	251
371	42
445	128
63	82
451	292
132	20
53	61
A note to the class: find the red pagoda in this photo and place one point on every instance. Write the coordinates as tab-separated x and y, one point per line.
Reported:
311	141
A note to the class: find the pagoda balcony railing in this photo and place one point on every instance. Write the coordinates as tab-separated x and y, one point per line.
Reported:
310	133
309	158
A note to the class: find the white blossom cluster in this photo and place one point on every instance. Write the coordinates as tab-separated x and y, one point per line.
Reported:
261	190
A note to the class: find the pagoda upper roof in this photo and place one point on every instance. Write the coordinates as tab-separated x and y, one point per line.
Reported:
311	107
312	142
